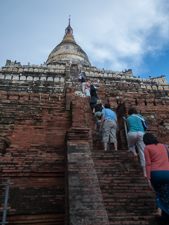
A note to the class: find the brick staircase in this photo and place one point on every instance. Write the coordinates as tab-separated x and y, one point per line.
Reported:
126	195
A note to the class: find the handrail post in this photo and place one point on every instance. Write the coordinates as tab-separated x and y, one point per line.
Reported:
125	127
5	203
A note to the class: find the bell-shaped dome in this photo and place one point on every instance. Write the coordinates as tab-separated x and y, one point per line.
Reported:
68	50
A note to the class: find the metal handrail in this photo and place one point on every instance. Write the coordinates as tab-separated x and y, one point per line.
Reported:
125	128
5	203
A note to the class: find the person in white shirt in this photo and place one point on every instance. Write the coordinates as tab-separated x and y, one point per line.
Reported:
70	63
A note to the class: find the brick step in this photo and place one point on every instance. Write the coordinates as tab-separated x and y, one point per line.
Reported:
129	203
96	141
134	220
37	219
129	206
129	189
125	192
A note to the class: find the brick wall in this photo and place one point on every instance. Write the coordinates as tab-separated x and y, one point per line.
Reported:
33	129
35	159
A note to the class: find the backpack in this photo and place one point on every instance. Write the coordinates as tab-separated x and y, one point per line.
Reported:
92	88
82	80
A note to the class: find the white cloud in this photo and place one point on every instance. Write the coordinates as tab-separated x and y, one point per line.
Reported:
114	34
126	31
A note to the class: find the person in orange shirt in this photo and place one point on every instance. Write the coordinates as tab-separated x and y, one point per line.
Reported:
157	168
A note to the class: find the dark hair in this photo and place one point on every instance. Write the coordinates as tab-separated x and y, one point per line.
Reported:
132	110
150	139
99	117
107	106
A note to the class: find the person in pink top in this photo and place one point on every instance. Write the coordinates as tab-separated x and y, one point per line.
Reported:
87	89
157	168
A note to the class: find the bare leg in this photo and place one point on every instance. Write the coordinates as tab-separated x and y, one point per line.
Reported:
158	212
115	146
105	146
135	155
144	171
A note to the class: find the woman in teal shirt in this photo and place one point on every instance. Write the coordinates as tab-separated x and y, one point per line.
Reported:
135	136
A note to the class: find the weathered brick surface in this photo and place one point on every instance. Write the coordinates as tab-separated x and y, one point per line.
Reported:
126	195
36	125
35	160
85	202
125	191
84	196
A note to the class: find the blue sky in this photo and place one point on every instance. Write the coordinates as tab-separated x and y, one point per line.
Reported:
116	35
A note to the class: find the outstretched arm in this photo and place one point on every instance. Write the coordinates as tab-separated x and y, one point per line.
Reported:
102	119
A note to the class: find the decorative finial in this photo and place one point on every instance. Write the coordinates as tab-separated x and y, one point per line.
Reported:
69	29
69	21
